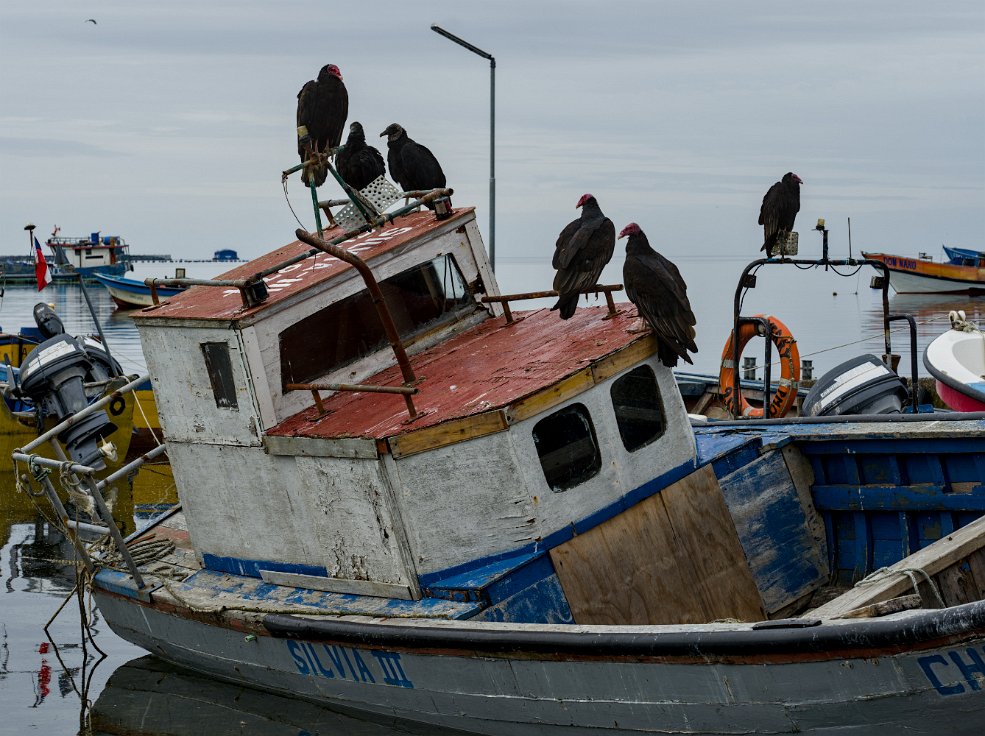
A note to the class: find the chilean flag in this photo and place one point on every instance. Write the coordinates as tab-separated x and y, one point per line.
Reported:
41	266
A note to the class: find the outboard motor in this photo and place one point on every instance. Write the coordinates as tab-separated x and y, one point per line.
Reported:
49	324
104	366
52	375
862	385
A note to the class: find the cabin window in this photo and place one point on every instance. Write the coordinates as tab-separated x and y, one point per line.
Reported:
639	410
420	299
220	370
567	447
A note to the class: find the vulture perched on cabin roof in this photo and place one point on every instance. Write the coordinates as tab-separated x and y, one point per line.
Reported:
359	164
581	252
655	286
323	106
780	207
412	165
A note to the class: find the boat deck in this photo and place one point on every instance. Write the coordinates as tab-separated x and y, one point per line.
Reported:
485	370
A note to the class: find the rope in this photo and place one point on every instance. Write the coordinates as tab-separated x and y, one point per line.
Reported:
911	572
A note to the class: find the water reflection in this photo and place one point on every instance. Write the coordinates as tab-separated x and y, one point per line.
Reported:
930	313
150	697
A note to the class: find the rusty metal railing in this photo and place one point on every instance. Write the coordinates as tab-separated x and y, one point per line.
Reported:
505	299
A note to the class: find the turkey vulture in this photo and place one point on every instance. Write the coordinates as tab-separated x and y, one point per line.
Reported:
780	207
655	286
359	164
581	252
412	165
323	106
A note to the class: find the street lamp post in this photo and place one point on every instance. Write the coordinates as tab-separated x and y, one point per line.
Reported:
492	134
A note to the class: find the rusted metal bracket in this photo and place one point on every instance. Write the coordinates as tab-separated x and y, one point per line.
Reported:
315	388
505	299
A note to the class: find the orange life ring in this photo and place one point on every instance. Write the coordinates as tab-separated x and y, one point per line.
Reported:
785	394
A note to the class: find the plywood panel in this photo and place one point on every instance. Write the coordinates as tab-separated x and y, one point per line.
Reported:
673	558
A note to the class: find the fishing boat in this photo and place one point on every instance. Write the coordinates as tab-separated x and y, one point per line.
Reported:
70	257
956	360
131	293
402	495
961	274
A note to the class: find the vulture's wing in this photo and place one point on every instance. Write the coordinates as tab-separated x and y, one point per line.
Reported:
655	286
586	254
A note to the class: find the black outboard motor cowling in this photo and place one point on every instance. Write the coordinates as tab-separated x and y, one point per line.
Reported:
53	376
49	324
862	385
104	365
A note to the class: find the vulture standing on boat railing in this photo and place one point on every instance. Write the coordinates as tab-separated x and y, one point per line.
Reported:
655	286
359	164
581	252
780	207
412	165
323	106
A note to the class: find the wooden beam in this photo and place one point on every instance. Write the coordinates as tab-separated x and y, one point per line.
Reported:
448	433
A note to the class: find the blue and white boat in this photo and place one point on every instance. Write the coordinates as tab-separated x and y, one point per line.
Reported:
400	497
131	293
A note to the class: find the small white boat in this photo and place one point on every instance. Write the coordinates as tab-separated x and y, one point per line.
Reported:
956	360
130	293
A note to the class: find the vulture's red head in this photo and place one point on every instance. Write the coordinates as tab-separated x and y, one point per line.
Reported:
333	70
630	229
584	200
792	178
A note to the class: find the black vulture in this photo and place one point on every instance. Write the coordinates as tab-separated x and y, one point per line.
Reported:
359	164
412	165
780	207
655	286
581	252
323	106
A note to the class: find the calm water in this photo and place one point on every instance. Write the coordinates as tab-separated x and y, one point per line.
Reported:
42	686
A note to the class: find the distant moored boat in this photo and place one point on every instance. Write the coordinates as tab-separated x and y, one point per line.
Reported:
963	273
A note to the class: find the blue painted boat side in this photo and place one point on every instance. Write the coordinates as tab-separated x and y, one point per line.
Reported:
252	568
133	286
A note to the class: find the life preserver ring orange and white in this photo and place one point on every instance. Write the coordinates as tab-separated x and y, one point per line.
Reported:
786	393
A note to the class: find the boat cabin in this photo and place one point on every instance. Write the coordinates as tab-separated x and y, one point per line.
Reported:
88	253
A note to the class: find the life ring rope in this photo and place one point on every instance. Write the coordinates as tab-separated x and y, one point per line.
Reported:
786	393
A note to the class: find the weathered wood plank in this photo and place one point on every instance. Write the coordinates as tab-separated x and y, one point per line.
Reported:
337	585
625	358
319	447
932	559
552	396
448	433
673	558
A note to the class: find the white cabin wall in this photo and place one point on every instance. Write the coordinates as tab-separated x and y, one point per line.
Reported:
240	502
489	495
183	391
348	504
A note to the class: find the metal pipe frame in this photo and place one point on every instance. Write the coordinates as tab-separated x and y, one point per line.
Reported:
913	356
505	299
74	419
826	262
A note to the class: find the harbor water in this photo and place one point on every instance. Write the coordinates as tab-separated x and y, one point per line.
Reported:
64	680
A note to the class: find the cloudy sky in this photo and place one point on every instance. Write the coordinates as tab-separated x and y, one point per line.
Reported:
168	123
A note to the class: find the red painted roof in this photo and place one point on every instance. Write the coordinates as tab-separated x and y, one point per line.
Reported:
224	303
488	367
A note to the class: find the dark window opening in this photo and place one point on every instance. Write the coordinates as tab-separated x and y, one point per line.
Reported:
220	370
639	410
420	299
567	447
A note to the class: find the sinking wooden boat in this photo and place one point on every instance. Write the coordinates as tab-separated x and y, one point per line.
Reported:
956	360
131	293
402	495
923	275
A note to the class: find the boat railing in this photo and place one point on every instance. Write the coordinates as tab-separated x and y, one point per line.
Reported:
748	281
83	478
505	299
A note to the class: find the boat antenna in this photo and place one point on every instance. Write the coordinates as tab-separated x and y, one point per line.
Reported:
849	238
99	327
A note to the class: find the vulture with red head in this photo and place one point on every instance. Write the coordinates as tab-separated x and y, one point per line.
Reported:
655	286
780	207
581	252
323	106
